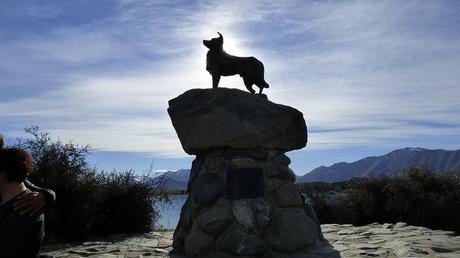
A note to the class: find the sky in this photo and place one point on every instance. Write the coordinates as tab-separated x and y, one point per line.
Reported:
369	76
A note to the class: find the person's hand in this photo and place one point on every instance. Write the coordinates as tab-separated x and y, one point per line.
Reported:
30	203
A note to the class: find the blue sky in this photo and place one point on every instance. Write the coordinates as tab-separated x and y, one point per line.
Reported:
369	76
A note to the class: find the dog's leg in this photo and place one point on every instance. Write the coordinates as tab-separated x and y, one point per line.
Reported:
248	84
249	87
260	90
215	81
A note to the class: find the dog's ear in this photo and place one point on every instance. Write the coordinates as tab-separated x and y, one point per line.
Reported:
220	37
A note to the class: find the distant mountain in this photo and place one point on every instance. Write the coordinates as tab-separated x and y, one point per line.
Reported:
435	160
175	179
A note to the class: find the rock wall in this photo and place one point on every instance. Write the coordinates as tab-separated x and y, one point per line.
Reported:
242	198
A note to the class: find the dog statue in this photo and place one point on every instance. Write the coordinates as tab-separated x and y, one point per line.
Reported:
219	63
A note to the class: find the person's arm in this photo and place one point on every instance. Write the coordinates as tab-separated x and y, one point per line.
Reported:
37	200
50	195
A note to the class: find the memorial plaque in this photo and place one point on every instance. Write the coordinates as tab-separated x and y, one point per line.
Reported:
244	183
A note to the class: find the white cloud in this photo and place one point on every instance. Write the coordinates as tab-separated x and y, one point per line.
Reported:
358	70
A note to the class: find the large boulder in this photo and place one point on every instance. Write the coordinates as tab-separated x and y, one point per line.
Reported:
229	118
198	242
215	219
207	189
294	231
238	241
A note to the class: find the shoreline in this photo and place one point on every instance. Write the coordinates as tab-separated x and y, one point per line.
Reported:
176	191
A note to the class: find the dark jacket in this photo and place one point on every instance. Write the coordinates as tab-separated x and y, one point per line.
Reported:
21	236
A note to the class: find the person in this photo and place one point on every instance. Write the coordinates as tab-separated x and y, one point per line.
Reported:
21	236
35	201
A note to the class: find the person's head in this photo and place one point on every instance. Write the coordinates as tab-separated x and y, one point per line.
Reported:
15	165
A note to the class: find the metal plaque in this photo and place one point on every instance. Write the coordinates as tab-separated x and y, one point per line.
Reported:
244	183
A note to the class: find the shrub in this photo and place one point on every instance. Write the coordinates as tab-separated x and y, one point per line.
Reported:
417	197
89	202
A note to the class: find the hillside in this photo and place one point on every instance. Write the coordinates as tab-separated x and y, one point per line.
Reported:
175	179
435	160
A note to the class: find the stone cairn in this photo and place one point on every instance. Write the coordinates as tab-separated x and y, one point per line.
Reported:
242	201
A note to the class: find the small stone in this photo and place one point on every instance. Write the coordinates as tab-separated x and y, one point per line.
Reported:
407	251
149	243
335	226
288	196
398	243
161	250
345	232
388	225
273	184
377	241
400	225
251	245
263	212
282	159
364	246
281	172
106	255
195	169
329	230
243	163
409	234
325	249
441	250
260	154
230	240
239	242
341	248
95	243
356	237
291	175
380	231
378	253
92	251
243	213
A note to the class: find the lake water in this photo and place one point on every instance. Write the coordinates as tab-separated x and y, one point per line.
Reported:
169	215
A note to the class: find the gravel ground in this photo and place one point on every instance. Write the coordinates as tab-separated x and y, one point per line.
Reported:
374	240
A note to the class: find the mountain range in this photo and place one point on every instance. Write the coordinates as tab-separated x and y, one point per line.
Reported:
438	161
174	179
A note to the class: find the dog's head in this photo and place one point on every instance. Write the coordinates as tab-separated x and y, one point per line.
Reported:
214	43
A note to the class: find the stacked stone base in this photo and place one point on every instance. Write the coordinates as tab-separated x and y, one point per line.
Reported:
215	223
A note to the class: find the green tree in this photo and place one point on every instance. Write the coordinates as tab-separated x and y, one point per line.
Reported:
90	202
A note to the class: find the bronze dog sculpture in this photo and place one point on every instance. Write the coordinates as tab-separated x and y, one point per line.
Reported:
219	63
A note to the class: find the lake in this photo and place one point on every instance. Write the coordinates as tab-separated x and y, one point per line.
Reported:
170	214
